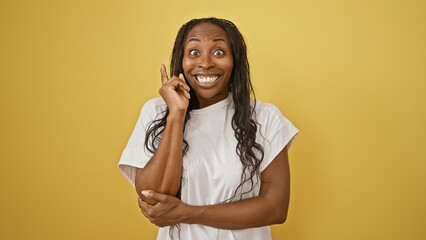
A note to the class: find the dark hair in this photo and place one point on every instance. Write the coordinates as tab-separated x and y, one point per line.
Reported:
243	123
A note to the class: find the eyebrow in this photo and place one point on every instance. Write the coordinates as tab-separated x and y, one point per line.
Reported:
194	39
198	40
219	39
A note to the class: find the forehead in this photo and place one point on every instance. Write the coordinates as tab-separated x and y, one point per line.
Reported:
207	31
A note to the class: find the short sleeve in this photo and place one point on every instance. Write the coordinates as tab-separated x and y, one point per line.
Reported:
276	133
135	155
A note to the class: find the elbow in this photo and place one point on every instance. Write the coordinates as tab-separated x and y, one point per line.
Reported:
281	219
160	189
139	188
280	216
144	184
277	212
139	183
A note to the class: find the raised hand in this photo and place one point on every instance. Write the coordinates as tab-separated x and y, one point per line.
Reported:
175	92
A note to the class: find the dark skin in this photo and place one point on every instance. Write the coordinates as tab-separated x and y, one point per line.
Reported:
208	52
207	65
270	207
163	171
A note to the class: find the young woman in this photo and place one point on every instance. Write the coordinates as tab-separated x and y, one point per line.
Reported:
206	160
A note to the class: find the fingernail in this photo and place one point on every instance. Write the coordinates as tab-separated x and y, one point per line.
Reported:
145	193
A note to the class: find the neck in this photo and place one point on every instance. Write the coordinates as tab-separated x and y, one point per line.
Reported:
205	102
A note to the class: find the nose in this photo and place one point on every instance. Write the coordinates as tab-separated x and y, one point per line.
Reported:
205	62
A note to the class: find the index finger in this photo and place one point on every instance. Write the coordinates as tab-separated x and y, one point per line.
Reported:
164	77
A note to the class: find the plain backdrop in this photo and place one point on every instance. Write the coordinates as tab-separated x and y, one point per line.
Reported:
350	75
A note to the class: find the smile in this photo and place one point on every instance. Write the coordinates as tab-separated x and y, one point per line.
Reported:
206	79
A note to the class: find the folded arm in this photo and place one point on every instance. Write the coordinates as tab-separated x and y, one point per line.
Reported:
270	207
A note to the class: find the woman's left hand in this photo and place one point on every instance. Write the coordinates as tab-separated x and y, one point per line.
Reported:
168	211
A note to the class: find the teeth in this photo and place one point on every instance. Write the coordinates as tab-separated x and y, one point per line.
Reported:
206	79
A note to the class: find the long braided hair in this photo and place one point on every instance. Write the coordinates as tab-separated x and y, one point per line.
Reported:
243	122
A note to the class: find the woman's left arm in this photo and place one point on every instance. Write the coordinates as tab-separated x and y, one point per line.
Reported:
270	207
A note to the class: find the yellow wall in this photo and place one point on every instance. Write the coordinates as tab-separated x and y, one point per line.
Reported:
349	74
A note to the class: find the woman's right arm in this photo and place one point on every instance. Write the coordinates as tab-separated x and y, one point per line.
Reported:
163	171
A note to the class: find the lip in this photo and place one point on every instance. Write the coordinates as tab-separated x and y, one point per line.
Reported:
206	85
206	74
207	78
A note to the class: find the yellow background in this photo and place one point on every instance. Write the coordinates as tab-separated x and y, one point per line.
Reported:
349	74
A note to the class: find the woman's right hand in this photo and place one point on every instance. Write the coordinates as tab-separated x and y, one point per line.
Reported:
175	92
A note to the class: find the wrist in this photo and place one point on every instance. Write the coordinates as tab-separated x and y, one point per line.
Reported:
192	214
176	117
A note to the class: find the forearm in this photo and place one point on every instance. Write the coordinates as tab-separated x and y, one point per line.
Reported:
164	170
248	213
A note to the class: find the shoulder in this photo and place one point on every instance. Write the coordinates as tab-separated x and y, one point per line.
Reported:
270	118
276	131
264	110
157	102
153	107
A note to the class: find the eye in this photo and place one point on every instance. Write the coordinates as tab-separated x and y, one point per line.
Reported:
194	52
218	52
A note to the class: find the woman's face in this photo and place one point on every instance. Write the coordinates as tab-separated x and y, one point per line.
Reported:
207	62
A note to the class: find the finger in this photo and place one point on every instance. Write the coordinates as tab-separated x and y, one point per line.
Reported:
146	209
176	83
140	202
164	76
155	195
185	93
181	82
181	76
146	215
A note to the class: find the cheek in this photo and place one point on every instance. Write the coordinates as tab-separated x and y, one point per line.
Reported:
229	65
186	64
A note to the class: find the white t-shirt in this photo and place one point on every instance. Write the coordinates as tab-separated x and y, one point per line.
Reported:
211	167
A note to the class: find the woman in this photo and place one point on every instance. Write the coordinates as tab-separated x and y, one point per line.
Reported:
204	157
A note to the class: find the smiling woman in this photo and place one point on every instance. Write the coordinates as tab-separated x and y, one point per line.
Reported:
204	156
207	62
